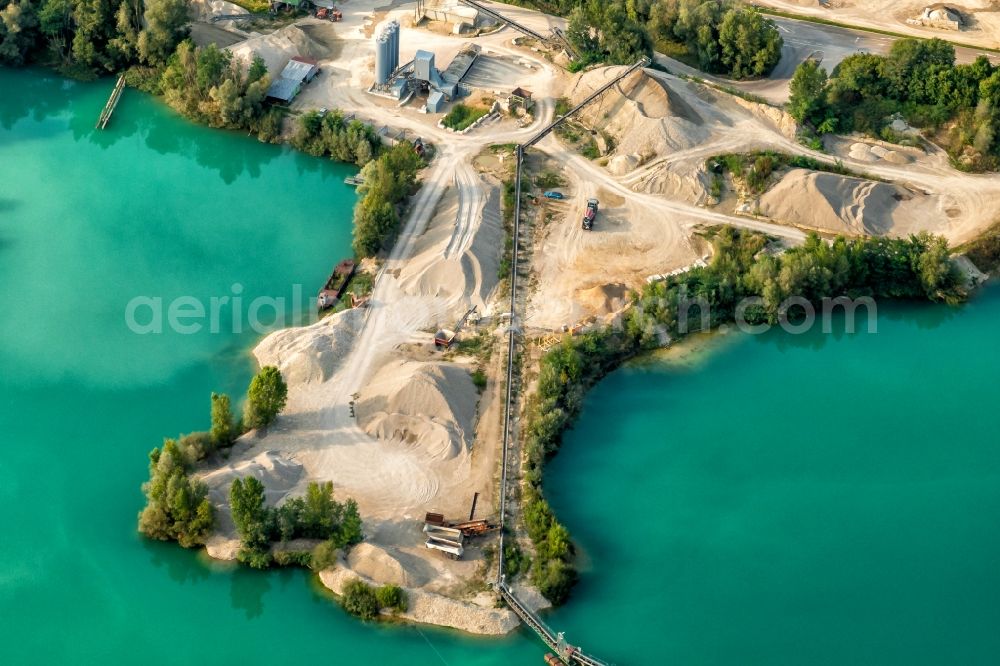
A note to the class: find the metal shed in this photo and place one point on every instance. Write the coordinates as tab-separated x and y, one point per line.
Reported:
284	90
300	69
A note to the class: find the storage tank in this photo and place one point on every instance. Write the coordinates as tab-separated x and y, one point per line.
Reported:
394	43
383	59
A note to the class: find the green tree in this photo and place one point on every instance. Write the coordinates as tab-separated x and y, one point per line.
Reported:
266	397
223	430
808	93
750	44
165	26
177	507
253	521
18	31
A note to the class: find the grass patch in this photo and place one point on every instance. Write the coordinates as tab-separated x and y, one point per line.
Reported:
253	6
462	116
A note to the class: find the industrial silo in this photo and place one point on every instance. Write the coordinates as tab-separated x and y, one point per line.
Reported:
393	30
383	59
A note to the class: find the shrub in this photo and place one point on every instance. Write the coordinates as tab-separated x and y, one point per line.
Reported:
359	599
392	597
479	379
324	556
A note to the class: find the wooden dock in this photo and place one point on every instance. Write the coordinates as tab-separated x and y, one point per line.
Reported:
109	108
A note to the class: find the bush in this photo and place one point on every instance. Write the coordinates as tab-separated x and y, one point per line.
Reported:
359	599
324	556
392	597
479	379
288	558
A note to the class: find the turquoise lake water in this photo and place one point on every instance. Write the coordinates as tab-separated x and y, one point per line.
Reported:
783	500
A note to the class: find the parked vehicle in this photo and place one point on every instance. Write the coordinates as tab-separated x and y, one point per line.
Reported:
590	214
553	194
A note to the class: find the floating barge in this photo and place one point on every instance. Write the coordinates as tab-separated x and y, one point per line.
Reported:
335	285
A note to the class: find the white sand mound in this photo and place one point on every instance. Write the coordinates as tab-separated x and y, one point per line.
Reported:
377	564
311	353
427	406
643	114
466	275
205	9
276	471
309	39
279	474
833	203
867	153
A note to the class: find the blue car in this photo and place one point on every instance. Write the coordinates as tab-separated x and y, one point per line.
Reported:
554	195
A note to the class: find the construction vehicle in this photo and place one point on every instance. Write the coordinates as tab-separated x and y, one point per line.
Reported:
590	214
445	337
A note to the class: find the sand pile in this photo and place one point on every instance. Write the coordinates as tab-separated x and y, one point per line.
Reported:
828	202
604	299
205	9
311	353
377	564
864	152
315	40
430	407
645	117
279	474
457	258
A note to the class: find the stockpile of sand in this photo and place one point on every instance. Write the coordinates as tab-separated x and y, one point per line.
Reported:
833	203
645	117
312	353
430	407
315	40
279	474
377	564
457	258
206	9
864	152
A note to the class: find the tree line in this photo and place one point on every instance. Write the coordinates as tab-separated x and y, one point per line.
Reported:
917	79
718	36
387	182
317	515
918	267
86	38
177	506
